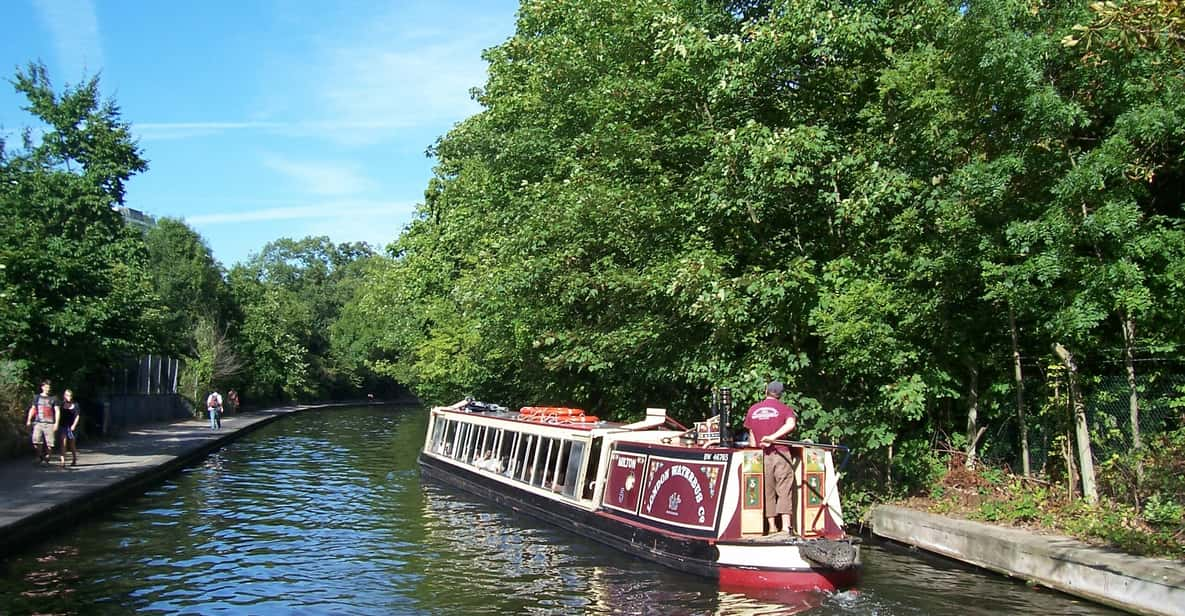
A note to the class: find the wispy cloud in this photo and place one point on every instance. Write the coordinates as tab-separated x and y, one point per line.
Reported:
322	178
388	72
74	29
164	131
428	84
339	209
365	79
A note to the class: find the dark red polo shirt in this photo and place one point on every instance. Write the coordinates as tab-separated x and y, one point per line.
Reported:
765	418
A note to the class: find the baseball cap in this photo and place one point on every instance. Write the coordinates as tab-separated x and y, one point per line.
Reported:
774	387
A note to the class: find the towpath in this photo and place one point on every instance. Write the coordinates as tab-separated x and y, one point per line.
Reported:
35	498
1140	585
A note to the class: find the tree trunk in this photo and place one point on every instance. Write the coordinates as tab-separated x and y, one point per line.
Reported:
1129	343
1081	430
1071	467
1067	450
974	430
1020	394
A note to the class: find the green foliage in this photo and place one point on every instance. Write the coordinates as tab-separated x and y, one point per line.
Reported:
1163	511
1019	504
74	294
864	200
1164	463
212	364
916	466
1119	525
188	281
993	476
295	336
858	502
15	394
992	495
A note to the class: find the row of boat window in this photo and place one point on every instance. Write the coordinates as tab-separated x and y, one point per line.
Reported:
546	462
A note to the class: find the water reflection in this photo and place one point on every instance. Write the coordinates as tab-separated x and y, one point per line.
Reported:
540	563
325	513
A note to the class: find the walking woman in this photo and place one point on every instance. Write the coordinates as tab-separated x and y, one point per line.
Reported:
68	427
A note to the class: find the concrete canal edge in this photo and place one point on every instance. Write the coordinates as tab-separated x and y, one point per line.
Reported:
1132	583
36	502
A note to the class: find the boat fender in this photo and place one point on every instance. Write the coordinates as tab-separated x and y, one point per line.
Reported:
838	555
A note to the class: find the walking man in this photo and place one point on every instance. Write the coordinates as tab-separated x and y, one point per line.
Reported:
43	419
214	406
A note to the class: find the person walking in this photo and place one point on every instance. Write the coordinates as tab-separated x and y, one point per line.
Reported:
769	421
214	406
69	416
43	419
232	399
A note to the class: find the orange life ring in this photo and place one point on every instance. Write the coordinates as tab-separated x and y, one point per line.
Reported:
582	419
551	411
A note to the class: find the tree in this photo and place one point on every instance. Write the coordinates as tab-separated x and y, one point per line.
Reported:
75	293
188	281
890	207
292	294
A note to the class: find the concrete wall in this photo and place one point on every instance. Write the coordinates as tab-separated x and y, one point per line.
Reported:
1142	585
122	412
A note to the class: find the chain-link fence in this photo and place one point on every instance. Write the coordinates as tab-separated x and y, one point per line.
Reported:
1050	420
1109	411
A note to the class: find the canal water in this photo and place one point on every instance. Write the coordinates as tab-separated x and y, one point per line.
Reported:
324	512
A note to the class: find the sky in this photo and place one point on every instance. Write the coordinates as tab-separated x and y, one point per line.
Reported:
263	119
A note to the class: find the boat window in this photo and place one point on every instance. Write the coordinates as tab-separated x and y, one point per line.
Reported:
572	473
450	434
559	468
438	425
532	469
487	438
474	453
463	430
496	445
513	465
590	475
526	454
539	474
506	451
474	449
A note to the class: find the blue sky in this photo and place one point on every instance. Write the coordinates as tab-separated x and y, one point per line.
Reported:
269	118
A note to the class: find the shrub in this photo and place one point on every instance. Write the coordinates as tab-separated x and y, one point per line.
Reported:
13	393
1163	511
917	467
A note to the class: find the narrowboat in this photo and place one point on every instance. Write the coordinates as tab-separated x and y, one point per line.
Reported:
682	498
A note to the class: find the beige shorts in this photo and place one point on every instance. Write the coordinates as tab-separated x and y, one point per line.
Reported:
42	430
780	470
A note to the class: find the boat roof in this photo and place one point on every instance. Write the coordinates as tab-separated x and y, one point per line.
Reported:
649	429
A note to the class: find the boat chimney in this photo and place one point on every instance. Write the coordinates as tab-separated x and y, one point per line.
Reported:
725	419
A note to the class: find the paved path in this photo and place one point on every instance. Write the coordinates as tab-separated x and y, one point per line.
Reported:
36	497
